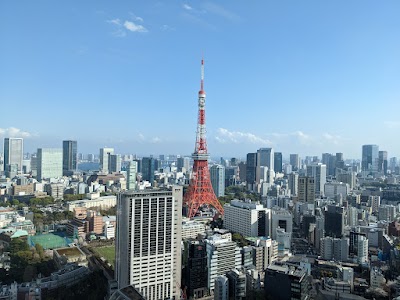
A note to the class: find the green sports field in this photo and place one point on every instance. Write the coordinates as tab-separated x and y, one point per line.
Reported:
107	252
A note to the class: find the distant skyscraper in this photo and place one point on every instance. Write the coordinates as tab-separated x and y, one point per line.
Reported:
104	158
393	164
13	155
318	171
306	189
295	161
132	174
183	162
148	242
370	158
217	176
149	166
278	162
251	169
265	158
293	183
114	164
383	162
70	150
49	163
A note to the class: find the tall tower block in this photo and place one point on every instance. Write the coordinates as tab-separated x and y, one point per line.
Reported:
200	192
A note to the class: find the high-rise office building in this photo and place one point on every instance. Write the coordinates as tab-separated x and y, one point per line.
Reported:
306	186
105	158
334	221
318	171
183	163
251	170
114	163
70	156
231	175
132	175
330	161
196	270
393	164
295	161
370	158
265	158
149	166
49	163
278	162
242	171
223	256
13	156
383	162
247	218
217	176
335	248
148	242
293	183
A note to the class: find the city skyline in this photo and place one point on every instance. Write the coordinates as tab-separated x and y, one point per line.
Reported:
300	79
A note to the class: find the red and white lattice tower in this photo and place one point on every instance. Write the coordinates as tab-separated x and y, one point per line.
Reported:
200	192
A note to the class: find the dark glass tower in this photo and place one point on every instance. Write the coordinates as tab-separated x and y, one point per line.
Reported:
278	162
70	155
370	158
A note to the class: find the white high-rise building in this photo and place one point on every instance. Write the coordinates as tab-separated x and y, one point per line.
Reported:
217	176
49	163
362	248
223	256
352	216
13	155
104	159
247	218
281	218
333	248
191	229
293	183
148	242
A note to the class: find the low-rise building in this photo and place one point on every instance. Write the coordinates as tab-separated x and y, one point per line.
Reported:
64	256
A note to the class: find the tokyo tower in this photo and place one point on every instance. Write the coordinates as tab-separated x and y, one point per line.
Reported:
200	192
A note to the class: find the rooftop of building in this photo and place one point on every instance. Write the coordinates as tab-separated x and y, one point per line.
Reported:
69	251
246	204
128	292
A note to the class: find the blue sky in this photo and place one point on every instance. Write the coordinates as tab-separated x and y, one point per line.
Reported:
301	76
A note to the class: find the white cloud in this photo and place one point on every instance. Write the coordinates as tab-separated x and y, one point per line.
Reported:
226	136
115	22
134	27
187	6
14	132
334	139
123	26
